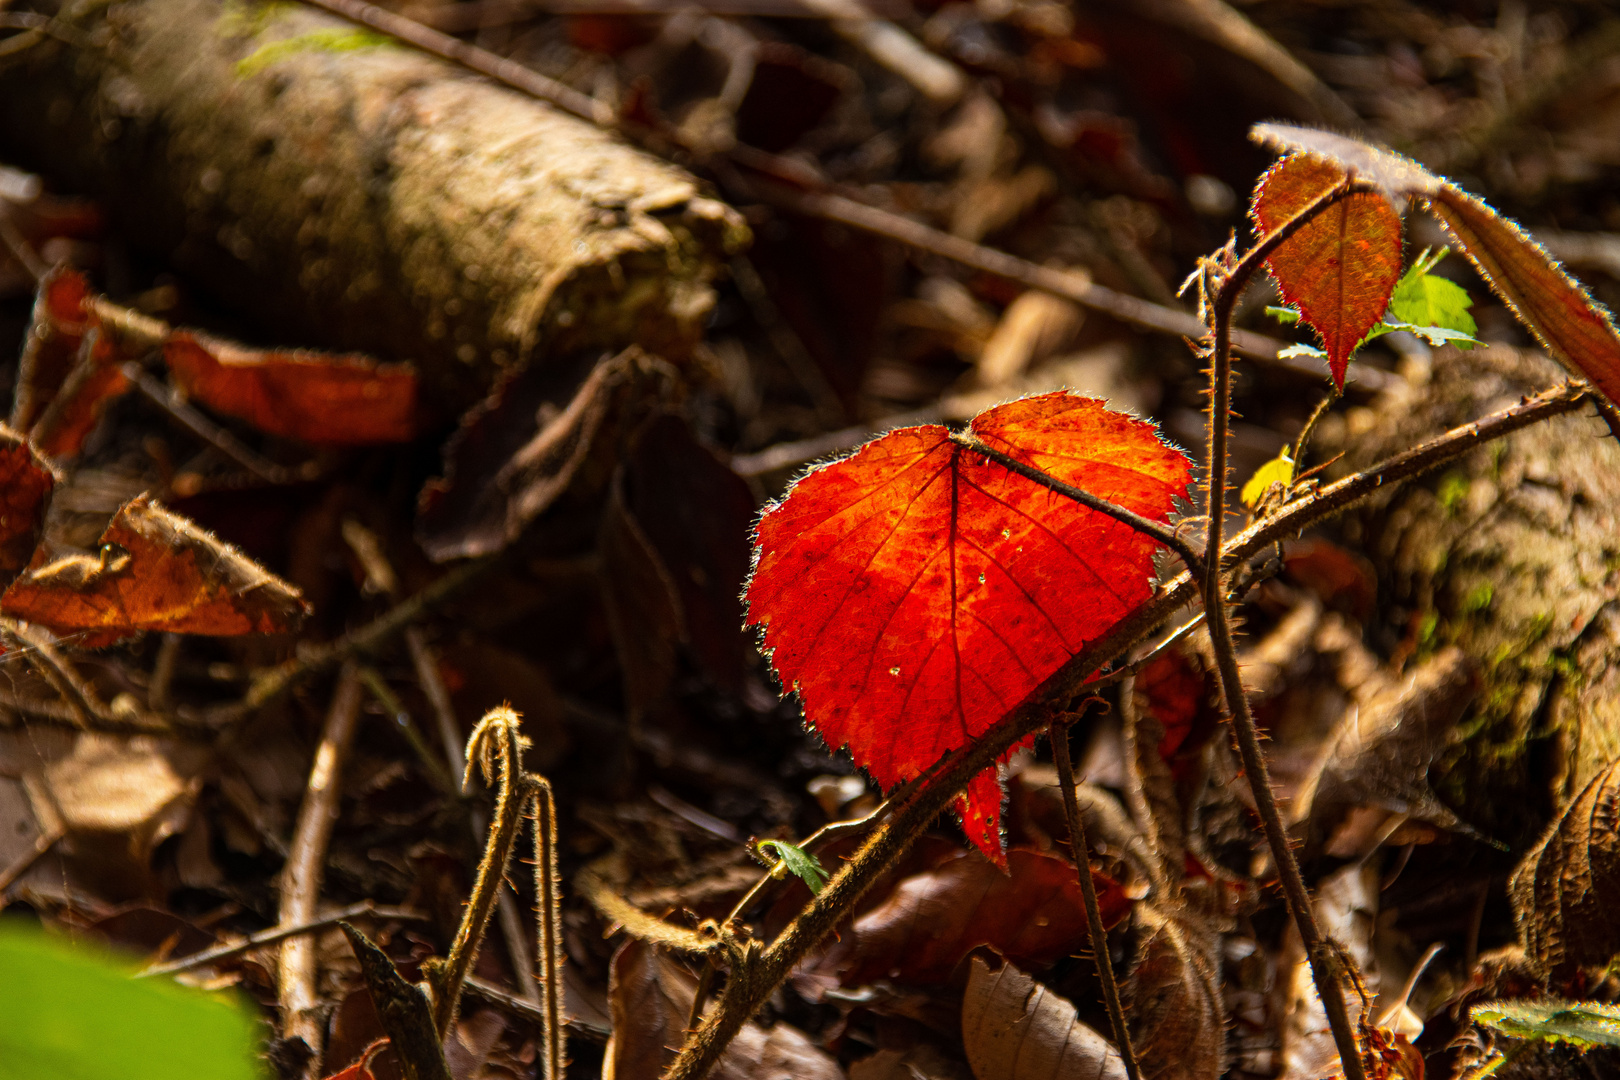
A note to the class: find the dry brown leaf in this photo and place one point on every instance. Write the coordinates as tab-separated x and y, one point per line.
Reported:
1563	892
651	999
1013	1028
517	452
642	604
1178	1024
321	398
1033	327
52	344
25	488
155	571
1033	914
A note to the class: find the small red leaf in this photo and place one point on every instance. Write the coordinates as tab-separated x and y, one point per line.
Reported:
914	593
1342	266
320	398
25	485
1545	298
59	325
155	571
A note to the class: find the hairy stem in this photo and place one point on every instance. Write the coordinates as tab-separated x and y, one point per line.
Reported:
495	744
1323	961
1058	732
548	892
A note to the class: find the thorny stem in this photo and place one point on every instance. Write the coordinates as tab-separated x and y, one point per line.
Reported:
548	891
908	819
1080	849
1324	963
1135	791
496	746
1159	531
1303	443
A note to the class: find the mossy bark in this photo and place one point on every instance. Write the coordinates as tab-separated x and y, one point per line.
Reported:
1513	555
353	193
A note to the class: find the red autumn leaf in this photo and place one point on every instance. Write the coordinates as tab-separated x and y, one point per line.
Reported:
915	592
1179	694
61	318
97	378
1342	266
1545	298
320	398
25	485
1034	914
155	571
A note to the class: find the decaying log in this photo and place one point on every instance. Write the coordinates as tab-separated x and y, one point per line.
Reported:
1513	555
351	193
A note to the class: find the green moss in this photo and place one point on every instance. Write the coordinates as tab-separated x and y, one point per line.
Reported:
332	40
1452	491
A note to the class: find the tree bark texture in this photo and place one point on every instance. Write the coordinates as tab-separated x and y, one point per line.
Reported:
352	193
1513	555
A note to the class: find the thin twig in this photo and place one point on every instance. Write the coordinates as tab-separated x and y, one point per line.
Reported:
165	398
273	682
1131	669
1136	791
1158	530
1324	959
21	864
279	933
306	863
1080	849
437	773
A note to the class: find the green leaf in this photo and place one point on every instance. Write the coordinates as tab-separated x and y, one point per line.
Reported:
1434	335
1279	470
1582	1023
71	1012
795	860
1301	350
331	40
1422	302
1287	315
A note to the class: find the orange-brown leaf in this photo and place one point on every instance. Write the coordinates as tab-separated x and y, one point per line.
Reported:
1552	304
1342	266
155	571
913	594
25	487
59	325
320	398
1013	1028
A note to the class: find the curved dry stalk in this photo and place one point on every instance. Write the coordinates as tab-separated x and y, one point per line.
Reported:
496	747
548	890
306	861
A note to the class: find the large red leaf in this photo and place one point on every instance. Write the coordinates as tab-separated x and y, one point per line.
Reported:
915	592
25	488
1342	266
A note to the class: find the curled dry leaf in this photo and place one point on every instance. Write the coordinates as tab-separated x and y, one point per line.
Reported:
1013	1028
1178	1024
59	325
1563	892
1341	267
1033	914
320	398
155	571
651	999
915	592
25	488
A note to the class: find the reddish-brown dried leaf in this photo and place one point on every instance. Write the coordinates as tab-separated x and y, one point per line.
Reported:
96	380
1013	1028
1552	304
59	325
1563	892
1033	914
1178	1024
1342	266
25	486
155	571
320	398
915	592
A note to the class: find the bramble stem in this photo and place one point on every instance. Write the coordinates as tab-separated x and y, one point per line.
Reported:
1080	848
1323	959
549	895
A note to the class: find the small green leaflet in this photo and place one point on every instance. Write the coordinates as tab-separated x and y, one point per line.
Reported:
1433	308
1582	1023
792	859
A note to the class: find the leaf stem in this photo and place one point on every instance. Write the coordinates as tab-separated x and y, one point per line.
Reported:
548	892
1159	531
1080	848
